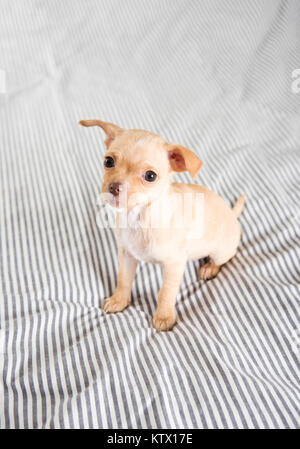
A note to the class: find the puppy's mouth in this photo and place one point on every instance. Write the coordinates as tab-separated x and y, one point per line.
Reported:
118	202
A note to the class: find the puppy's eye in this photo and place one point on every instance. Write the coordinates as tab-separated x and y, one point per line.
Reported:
150	176
109	162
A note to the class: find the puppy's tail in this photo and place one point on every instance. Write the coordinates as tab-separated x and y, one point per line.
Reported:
239	206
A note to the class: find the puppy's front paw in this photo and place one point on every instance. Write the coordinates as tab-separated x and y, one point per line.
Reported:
114	304
163	323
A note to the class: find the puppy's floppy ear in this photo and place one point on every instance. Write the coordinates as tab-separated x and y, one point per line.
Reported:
111	130
183	159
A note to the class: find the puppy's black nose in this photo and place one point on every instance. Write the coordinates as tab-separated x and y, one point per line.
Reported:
115	188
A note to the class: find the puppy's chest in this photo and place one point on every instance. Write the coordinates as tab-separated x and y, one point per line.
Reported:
139	244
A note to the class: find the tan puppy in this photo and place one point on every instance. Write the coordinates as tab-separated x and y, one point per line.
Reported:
160	221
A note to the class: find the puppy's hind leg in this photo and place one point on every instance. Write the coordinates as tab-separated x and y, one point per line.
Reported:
216	260
209	271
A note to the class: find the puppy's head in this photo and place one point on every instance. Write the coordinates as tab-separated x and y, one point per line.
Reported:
138	164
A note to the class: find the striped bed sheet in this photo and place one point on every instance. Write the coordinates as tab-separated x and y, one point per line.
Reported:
221	78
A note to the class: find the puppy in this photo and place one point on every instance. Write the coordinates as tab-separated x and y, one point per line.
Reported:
158	220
